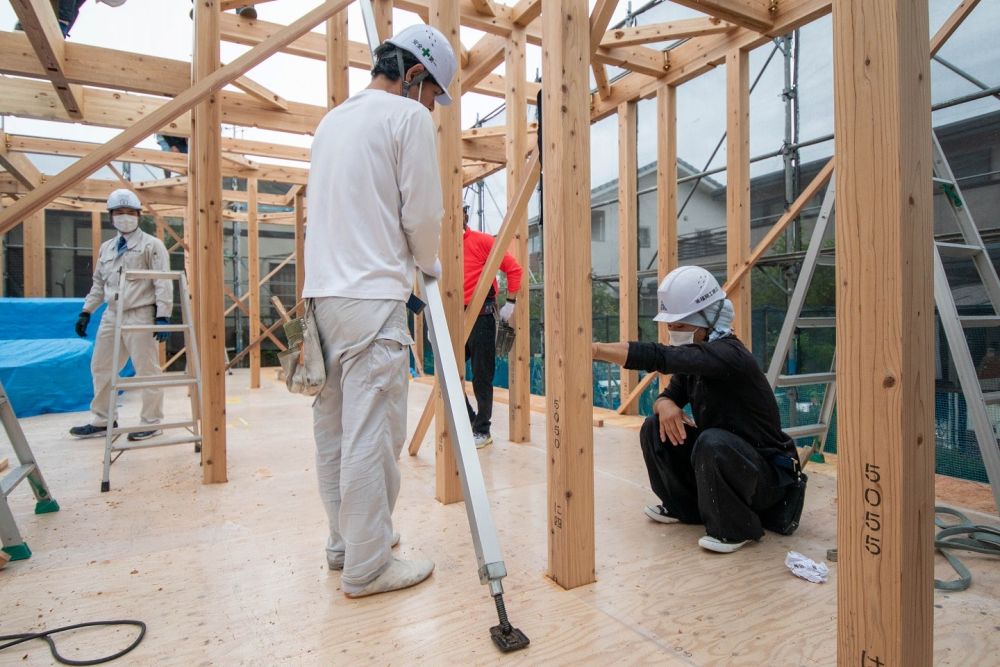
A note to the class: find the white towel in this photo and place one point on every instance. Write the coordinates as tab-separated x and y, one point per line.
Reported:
806	568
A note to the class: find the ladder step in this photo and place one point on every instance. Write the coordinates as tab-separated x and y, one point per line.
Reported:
154	327
156	442
958	249
805	378
979	321
152	275
166	426
816	322
809	430
991	397
14	477
178	379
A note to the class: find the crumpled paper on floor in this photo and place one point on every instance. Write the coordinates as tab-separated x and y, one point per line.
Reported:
807	568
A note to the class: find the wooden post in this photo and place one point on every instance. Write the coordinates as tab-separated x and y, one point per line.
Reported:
885	336
206	179
444	15
300	247
666	188
519	359
418	333
383	18
738	185
33	252
568	323
253	277
337	65
161	347
95	236
628	241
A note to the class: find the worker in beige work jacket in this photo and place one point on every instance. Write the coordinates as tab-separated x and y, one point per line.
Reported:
144	301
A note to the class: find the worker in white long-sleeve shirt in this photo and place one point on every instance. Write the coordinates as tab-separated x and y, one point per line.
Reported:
143	302
374	214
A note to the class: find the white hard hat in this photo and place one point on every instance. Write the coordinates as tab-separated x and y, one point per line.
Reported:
123	198
432	49
113	3
685	291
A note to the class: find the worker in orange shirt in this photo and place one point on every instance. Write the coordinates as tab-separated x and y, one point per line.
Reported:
481	348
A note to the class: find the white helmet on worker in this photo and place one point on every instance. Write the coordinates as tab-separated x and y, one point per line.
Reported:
685	291
124	198
113	3
432	49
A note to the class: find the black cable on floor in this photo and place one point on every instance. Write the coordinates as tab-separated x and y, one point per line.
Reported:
28	636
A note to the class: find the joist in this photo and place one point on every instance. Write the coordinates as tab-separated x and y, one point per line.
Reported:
41	28
260	92
752	14
662	32
635	58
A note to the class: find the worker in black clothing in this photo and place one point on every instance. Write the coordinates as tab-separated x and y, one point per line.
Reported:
729	467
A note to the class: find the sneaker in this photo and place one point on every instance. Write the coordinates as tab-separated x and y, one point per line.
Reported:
90	431
144	435
719	545
337	563
247	12
482	440
659	513
400	574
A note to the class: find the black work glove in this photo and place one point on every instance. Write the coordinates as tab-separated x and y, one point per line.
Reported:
162	336
81	324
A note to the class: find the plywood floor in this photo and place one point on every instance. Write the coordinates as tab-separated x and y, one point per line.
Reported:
235	574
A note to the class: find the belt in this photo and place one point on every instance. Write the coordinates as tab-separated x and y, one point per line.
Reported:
487	308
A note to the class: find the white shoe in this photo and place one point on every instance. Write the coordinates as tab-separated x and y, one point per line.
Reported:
482	440
400	574
659	513
338	562
720	546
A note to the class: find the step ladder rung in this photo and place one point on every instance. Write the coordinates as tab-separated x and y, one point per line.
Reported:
155	327
816	322
156	442
804	379
958	249
979	321
133	274
805	431
165	426
991	397
14	477
179	379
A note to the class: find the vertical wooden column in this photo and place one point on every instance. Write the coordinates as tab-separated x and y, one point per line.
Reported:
206	183
666	188
95	235
383	18
444	15
568	317
33	253
519	359
161	348
418	335
300	246
253	278
337	63
885	339
628	241
738	185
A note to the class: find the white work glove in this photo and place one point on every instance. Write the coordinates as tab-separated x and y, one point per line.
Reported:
507	311
434	271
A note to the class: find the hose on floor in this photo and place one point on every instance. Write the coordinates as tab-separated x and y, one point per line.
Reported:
47	637
964	535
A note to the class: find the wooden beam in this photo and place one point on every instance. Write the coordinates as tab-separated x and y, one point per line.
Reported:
628	238
951	24
239	30
338	86
751	14
601	79
662	32
599	20
485	7
96	238
383	18
666	188
445	16
300	245
257	91
494	85
524	12
33	243
206	177
501	24
20	167
885	334
40	26
253	277
519	358
738	186
636	58
198	92
568	381
484	57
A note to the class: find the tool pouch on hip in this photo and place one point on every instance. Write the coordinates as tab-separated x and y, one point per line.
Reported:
303	362
783	517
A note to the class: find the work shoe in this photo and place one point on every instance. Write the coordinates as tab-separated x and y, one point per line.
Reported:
719	545
400	574
247	12
337	563
659	513
482	440
90	431
144	435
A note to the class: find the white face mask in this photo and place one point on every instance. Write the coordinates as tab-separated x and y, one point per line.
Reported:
681	337
124	223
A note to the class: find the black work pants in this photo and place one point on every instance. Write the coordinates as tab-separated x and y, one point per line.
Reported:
481	351
715	478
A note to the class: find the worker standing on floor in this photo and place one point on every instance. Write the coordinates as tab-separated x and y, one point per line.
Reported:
730	467
142	302
481	347
375	210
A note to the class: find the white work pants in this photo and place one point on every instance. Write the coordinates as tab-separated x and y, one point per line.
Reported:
359	422
141	347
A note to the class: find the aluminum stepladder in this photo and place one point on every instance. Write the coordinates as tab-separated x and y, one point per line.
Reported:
953	324
26	469
190	377
477	505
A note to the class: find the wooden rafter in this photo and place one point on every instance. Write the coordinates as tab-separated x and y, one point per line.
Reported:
752	14
599	20
636	58
661	32
39	24
262	93
484	57
526	11
20	167
951	24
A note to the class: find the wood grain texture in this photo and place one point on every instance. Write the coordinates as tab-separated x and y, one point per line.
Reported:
666	189
33	235
628	239
738	186
253	278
